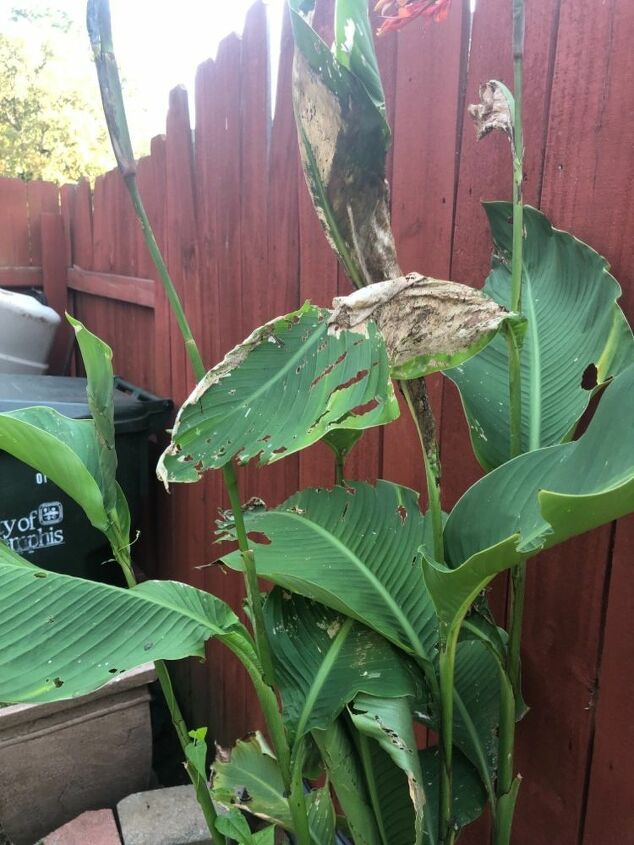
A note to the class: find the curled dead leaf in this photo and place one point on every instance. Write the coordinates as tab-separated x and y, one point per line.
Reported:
342	145
494	111
427	324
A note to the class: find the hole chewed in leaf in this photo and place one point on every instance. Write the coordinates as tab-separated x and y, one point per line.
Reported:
361	410
259	538
589	379
328	369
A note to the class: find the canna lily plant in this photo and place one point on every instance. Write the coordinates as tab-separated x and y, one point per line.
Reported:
377	618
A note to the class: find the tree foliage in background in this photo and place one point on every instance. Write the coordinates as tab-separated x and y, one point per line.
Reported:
50	114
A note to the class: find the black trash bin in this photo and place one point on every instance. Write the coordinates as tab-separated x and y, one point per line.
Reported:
37	519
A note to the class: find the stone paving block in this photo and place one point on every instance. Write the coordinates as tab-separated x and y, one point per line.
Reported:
96	827
162	817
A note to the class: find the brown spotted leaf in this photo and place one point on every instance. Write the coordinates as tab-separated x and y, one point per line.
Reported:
494	111
284	387
343	143
427	324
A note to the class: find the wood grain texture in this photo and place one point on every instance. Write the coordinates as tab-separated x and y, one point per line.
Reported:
235	220
53	255
427	121
112	286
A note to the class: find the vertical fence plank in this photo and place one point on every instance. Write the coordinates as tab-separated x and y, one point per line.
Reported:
81	226
426	126
182	260
67	203
609	807
206	171
42	198
587	184
14	225
318	283
151	176
219	149
52	251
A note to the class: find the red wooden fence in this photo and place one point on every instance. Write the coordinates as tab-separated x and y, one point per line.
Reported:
234	219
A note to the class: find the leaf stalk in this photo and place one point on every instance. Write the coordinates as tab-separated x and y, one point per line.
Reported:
100	33
447	665
507	787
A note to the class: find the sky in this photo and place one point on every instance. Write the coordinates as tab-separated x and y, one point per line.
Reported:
159	44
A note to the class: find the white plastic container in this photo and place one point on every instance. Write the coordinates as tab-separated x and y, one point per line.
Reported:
27	330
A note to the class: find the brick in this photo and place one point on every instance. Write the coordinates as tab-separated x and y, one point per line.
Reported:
162	817
97	827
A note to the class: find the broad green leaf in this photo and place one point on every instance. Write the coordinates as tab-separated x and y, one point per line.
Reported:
347	779
570	300
477	708
343	140
63	636
469	796
323	660
97	358
321	816
249	778
388	721
395	810
427	324
77	455
64	450
354	47
280	390
353	549
265	837
536	501
235	826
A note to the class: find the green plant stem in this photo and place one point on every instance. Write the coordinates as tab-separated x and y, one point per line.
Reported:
251	579
507	787
174	300
266	696
507	735
447	665
203	795
415	393
339	465
100	33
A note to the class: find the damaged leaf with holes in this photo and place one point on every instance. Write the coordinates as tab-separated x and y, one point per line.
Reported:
248	777
324	659
536	501
575	328
427	324
69	636
287	385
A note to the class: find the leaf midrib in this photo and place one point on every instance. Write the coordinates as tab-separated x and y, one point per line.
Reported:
323	673
388	600
535	380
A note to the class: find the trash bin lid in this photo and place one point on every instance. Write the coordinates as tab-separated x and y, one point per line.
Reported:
134	409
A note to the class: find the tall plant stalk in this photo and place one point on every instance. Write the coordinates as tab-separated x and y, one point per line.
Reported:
507	787
99	28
